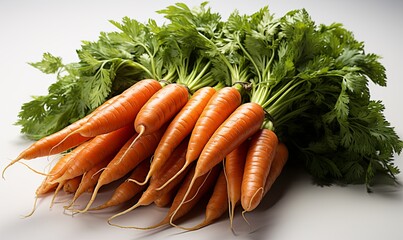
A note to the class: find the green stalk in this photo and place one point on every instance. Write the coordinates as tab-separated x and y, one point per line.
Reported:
284	118
236	75
248	56
141	66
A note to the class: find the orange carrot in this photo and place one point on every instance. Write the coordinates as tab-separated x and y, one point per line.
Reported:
183	202
58	142
160	108
58	170
122	111
98	149
71	185
219	107
55	172
128	189
173	164
45	186
234	168
239	126
260	156
129	156
51	144
279	160
166	199
217	204
89	180
180	127
245	121
202	185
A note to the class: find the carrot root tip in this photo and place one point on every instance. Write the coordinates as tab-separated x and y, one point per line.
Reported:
33	209
135	227
172	178
139	183
55	194
250	207
9	165
34	170
171	220
91	201
244	217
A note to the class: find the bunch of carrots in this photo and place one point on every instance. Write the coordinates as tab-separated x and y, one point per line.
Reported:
200	108
197	142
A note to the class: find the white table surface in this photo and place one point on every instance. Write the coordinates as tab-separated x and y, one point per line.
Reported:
296	208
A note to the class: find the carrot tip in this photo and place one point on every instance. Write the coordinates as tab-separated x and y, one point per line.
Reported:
198	226
93	196
140	129
182	202
122	213
100	207
55	193
136	227
139	183
244	217
33	209
252	205
172	178
9	165
34	170
70	205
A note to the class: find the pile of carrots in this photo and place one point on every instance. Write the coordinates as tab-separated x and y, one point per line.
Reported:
204	112
167	147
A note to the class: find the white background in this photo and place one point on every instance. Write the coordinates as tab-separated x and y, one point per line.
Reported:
295	209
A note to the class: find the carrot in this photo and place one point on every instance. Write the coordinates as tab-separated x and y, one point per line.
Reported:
129	156
245	121
166	199
97	150
58	170
71	185
257	166
219	107
279	160
217	204
176	211
234	166
45	186
122	111
160	108
58	142
180	127
239	126
170	168
51	144
182	204
89	180
128	189
55	172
